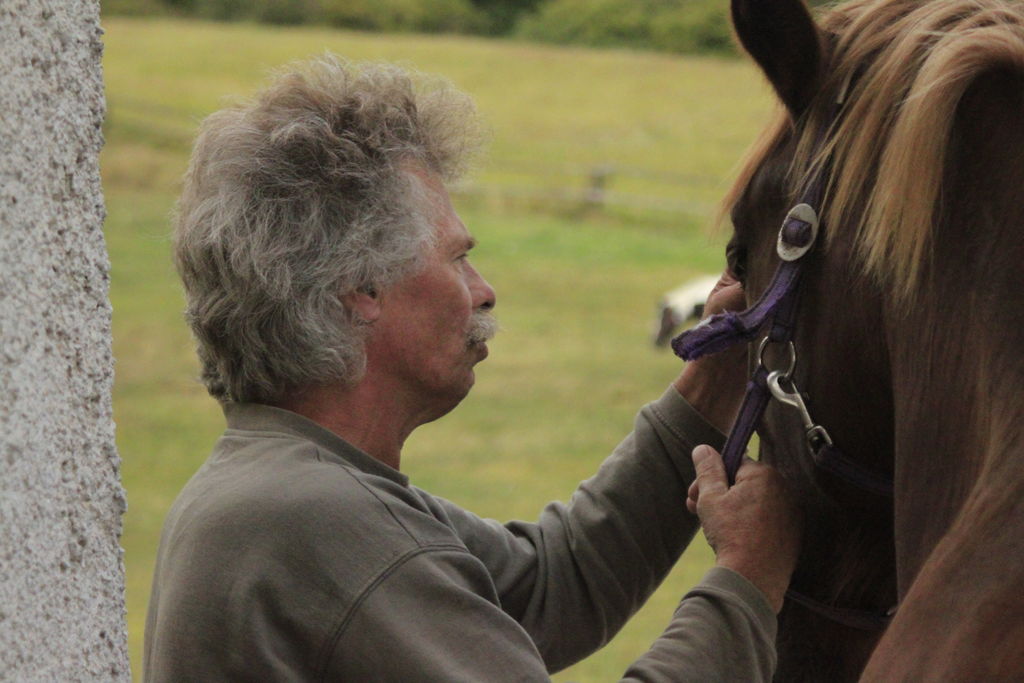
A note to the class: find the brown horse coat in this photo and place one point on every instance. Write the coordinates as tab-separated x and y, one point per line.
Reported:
911	327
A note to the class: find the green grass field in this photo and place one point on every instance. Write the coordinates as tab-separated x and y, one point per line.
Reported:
576	292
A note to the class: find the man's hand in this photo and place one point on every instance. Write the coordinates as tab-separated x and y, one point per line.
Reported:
713	385
753	527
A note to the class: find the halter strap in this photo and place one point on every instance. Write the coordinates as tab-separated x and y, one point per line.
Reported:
861	619
754	403
835	462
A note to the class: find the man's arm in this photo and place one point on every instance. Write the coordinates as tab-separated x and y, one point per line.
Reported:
575	576
725	628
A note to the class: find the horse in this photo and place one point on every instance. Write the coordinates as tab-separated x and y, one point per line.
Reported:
910	327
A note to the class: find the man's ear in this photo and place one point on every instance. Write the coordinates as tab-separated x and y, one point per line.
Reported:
364	303
782	38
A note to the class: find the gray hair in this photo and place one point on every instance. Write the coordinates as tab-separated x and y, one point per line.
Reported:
298	197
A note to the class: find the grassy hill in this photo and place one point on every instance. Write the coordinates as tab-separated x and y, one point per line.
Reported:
576	285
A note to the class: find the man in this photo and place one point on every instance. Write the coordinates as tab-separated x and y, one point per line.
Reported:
335	309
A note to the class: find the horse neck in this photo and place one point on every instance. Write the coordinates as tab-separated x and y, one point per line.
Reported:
956	345
959	509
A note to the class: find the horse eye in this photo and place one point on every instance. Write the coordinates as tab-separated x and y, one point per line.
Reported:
736	258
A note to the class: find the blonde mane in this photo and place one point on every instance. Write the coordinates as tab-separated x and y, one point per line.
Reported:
910	63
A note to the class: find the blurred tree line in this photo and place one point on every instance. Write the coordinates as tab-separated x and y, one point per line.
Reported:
681	26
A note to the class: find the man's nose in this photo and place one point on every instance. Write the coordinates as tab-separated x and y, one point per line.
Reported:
484	296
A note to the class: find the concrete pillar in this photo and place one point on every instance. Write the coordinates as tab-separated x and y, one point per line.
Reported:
61	501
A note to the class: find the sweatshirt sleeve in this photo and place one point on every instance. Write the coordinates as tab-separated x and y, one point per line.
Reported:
573	578
723	630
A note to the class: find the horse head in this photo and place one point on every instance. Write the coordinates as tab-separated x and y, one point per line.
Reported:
912	113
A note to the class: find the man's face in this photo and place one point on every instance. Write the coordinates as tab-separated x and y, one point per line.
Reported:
429	336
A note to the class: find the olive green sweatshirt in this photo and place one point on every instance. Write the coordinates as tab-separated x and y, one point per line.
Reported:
291	555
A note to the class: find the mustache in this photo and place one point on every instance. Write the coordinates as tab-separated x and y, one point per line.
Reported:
482	326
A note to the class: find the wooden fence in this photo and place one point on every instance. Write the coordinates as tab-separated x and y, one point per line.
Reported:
571	186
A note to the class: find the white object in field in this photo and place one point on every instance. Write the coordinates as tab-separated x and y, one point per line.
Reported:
683	303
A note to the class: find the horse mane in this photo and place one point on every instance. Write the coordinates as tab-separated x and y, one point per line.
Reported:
908	64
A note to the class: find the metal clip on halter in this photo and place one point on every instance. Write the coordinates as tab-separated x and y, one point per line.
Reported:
817	436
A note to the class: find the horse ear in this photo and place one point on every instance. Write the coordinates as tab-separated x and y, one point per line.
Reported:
782	38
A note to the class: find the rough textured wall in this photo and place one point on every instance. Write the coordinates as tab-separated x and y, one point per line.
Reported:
61	572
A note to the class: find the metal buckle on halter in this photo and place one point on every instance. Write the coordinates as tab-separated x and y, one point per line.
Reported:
798	233
790	347
817	436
